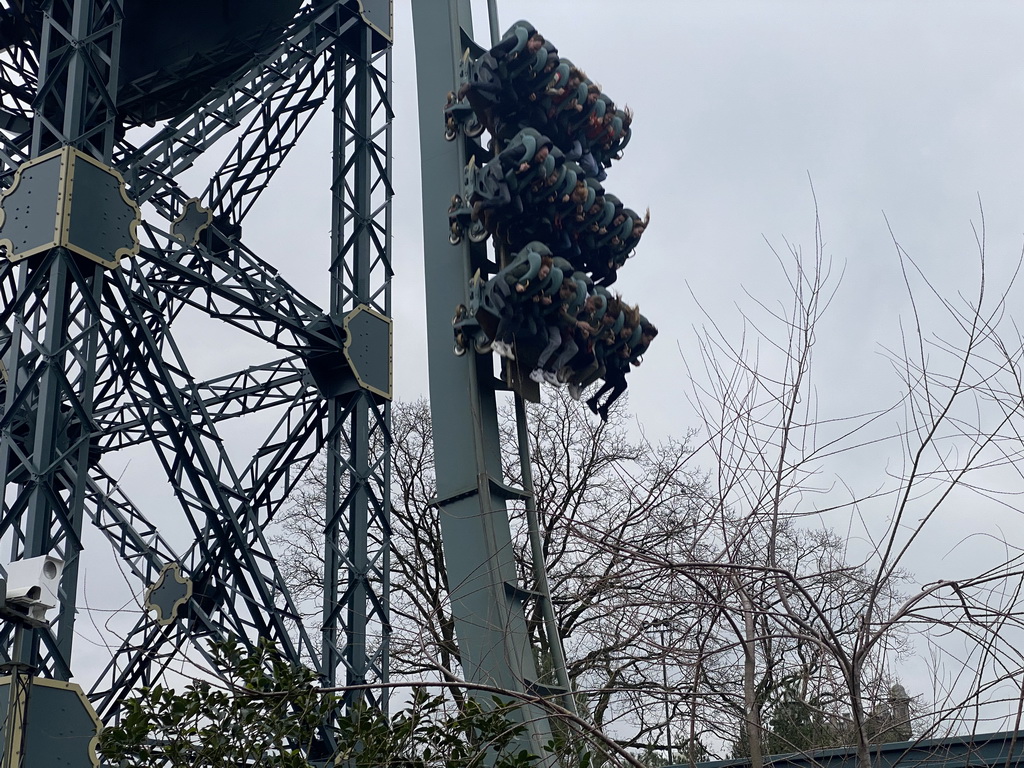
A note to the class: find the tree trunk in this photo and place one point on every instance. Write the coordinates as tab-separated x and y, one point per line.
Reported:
751	706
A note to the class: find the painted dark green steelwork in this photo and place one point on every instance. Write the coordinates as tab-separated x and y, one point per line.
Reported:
91	362
59	727
486	601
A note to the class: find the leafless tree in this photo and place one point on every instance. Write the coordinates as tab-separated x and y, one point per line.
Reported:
777	462
648	645
594	484
587	475
423	633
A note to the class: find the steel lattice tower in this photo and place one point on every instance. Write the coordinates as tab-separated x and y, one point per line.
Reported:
91	363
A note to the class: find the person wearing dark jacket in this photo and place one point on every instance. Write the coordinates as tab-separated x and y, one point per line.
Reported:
619	366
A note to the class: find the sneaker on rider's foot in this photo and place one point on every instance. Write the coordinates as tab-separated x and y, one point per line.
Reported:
551	378
538	375
575	391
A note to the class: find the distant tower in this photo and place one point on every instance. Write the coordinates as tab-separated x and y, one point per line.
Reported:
899	713
107	249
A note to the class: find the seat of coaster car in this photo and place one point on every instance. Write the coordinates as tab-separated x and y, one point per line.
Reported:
516	373
485	307
468	43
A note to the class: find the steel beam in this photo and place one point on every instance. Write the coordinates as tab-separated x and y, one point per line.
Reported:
486	601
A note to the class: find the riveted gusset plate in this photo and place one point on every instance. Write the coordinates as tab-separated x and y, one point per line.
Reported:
67	199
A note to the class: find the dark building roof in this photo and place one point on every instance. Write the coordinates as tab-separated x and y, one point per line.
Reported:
988	750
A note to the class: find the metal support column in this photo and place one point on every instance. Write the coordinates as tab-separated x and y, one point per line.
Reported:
356	626
51	354
486	601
